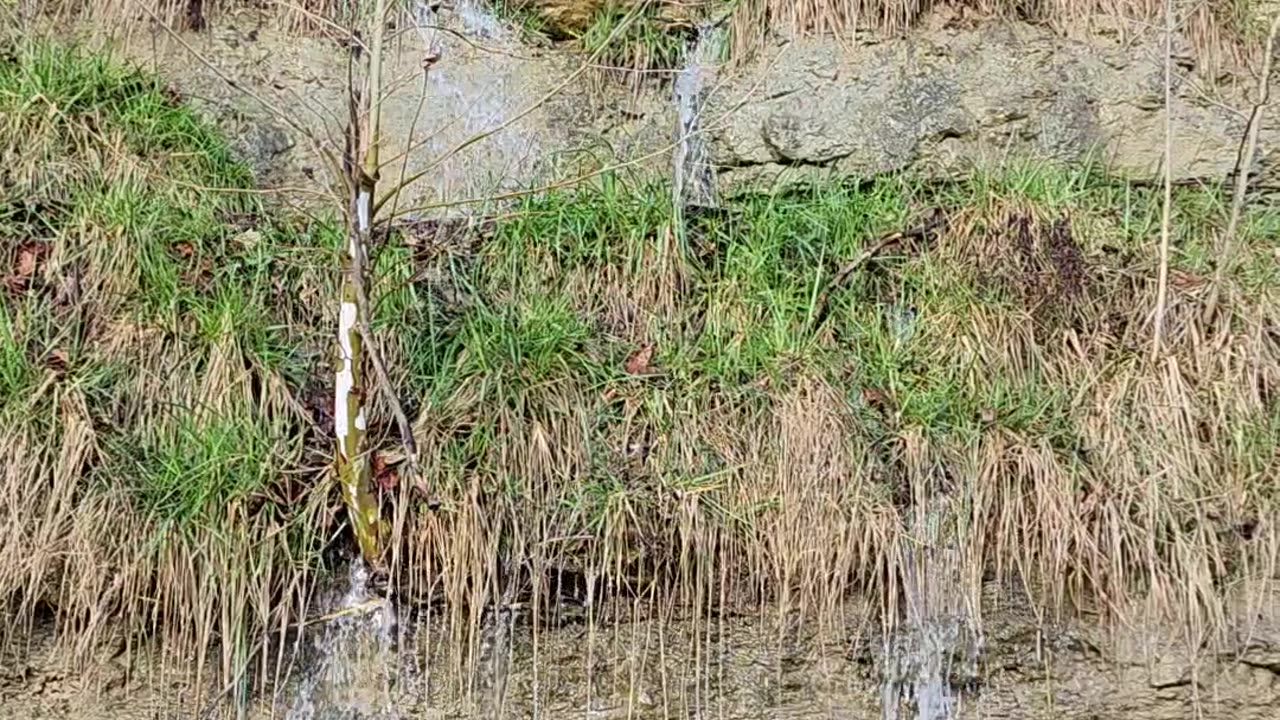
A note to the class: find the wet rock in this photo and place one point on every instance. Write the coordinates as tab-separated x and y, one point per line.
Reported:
264	144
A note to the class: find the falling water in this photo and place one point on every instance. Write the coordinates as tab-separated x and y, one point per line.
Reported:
478	21
354	658
463	104
936	648
693	177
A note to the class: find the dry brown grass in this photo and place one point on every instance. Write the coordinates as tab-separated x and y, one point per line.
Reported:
1212	27
762	463
807	491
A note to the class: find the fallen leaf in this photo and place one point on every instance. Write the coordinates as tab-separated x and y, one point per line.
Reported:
875	398
383	473
184	249
28	260
57	360
638	362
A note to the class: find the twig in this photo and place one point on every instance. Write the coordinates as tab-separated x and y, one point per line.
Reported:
1162	287
935	220
1244	164
324	153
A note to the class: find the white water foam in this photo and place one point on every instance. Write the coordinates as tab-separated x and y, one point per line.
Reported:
692	175
355	660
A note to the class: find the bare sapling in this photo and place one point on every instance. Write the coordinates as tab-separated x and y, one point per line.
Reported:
355	337
1244	165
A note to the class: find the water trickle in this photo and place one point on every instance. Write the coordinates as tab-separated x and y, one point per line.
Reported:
465	104
693	176
355	662
478	21
937	647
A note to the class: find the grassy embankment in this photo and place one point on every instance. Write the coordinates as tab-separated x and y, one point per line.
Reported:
714	424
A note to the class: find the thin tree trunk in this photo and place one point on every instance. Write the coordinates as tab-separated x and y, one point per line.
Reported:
352	457
354	472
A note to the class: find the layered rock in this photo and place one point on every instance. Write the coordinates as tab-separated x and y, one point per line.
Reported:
948	98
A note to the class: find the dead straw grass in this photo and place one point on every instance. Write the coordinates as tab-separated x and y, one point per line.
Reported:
759	462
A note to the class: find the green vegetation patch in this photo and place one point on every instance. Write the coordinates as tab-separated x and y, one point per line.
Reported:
157	325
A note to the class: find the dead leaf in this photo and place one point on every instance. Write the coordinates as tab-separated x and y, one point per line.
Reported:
184	249
875	398
383	473
638	362
28	261
57	360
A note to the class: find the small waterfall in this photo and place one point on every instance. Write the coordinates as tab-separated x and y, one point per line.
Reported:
354	662
478	21
693	177
936	648
464	104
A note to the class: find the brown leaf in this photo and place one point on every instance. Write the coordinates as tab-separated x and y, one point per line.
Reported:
383	473
875	398
28	260
638	362
57	360
184	249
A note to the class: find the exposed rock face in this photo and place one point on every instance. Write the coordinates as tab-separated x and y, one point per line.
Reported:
940	99
947	98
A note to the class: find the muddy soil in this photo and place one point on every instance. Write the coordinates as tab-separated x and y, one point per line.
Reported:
636	663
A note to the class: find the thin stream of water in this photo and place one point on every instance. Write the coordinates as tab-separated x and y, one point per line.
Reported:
692	174
936	649
355	663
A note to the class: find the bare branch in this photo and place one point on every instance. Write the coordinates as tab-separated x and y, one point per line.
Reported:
325	154
1244	165
1162	291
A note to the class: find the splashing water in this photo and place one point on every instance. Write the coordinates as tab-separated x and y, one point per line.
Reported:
355	662
937	647
464	106
478	21
693	177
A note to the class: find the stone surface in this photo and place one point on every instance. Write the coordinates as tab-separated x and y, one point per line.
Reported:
491	117
948	97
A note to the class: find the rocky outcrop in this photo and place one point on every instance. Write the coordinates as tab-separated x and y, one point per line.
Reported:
949	97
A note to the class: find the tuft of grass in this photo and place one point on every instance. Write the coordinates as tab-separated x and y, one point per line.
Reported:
155	329
647	48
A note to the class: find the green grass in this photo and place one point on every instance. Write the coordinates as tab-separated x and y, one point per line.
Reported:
643	45
149	363
775	410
